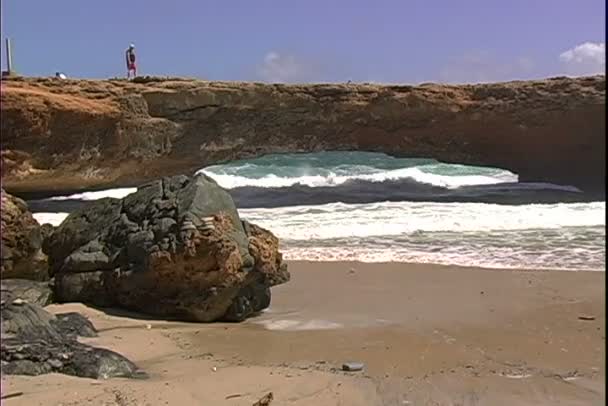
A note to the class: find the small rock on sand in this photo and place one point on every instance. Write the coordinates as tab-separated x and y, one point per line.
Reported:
586	317
352	366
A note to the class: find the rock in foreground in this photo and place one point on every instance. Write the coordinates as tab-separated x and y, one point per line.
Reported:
36	342
175	248
21	252
35	292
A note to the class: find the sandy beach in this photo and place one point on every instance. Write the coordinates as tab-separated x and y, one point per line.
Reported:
303	205
428	335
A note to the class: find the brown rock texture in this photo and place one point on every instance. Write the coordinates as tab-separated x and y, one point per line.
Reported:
176	247
264	248
68	135
21	252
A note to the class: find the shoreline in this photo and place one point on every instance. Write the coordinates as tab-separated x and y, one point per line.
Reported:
443	266
425	333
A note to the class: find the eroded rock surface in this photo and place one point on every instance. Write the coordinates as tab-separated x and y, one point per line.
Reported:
21	251
34	292
63	135
35	342
175	248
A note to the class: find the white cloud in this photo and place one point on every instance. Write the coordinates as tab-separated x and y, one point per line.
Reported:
278	68
587	52
585	59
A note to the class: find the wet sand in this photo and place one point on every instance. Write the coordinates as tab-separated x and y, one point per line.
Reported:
428	335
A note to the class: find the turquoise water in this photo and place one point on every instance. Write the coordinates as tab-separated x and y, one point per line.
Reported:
542	236
334	168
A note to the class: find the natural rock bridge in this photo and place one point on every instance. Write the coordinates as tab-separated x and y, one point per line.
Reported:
67	135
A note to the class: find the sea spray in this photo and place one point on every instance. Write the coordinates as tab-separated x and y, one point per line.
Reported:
336	168
307	194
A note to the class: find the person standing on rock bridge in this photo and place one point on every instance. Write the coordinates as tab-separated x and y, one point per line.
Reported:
131	66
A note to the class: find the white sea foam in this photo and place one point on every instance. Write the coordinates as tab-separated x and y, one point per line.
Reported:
549	236
100	194
478	255
553	236
231	181
335	168
296	325
339	220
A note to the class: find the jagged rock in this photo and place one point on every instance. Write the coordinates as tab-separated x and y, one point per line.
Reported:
34	292
21	252
70	358
28	321
264	247
250	300
176	248
46	230
35	342
74	325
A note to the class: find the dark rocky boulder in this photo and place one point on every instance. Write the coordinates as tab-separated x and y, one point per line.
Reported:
34	292
27	321
175	248
46	231
36	342
74	325
65	357
21	252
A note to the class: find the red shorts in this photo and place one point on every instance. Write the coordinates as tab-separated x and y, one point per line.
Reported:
131	66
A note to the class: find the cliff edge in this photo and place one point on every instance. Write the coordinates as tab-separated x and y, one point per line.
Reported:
67	135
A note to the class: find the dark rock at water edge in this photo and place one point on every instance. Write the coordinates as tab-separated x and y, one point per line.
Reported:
34	292
30	321
175	248
21	254
74	325
25	321
36	342
250	300
70	358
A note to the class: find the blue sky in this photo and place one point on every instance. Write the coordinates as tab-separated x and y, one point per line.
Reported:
397	41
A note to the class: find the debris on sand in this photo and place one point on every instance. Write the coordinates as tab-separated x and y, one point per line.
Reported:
265	400
352	366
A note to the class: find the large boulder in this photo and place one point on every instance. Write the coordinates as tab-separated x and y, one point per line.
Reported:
35	342
21	252
175	248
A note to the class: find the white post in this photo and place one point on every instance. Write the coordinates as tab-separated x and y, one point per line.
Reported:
9	62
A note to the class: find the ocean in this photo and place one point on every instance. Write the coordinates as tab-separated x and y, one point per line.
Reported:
371	207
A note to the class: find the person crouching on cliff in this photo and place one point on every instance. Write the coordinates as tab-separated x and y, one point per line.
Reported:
131	67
